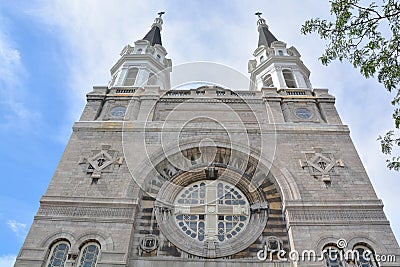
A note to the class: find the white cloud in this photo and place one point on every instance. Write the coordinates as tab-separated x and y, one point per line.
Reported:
7	260
20	229
12	92
93	34
10	59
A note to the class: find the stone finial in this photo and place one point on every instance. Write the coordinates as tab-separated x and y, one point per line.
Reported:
260	21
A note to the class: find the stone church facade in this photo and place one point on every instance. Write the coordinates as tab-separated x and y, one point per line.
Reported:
209	176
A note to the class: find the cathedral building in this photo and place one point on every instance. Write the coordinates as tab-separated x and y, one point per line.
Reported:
210	175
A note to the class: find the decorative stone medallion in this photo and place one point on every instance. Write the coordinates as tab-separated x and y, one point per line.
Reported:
303	113
149	243
117	111
101	161
321	164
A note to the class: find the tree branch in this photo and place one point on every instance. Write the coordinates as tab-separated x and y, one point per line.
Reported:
367	9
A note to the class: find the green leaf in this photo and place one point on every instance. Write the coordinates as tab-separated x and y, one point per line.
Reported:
355	34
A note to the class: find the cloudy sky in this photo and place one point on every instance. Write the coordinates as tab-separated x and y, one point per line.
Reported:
52	52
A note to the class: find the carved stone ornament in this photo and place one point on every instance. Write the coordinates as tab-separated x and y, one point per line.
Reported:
101	161
273	243
149	243
321	164
126	50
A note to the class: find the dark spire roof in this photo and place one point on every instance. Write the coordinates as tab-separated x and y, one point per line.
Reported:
265	36
154	35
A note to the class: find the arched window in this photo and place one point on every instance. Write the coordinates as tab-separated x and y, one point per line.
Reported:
364	257
139	51
333	257
152	79
267	81
58	254
131	77
261	59
89	254
289	78
307	81
200	223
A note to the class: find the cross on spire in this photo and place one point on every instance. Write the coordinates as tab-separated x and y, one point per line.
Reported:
265	36
260	21
154	35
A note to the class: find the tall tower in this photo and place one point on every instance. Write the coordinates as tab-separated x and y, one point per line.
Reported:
275	65
145	63
210	176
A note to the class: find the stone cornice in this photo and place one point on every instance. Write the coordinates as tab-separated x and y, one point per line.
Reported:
146	57
339	212
83	209
59	200
161	126
374	203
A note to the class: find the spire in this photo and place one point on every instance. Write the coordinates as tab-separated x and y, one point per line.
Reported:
154	35
265	36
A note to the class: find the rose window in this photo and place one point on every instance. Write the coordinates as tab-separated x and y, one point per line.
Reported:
211	211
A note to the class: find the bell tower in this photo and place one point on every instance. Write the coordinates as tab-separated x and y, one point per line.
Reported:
275	65
145	63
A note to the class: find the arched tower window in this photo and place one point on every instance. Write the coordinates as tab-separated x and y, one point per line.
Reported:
289	78
139	51
307	81
267	81
364	256
131	77
152	79
89	254
332	256
58	254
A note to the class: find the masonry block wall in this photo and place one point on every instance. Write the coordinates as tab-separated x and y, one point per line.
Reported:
314	180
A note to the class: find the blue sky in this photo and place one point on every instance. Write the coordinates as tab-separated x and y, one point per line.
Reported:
53	52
